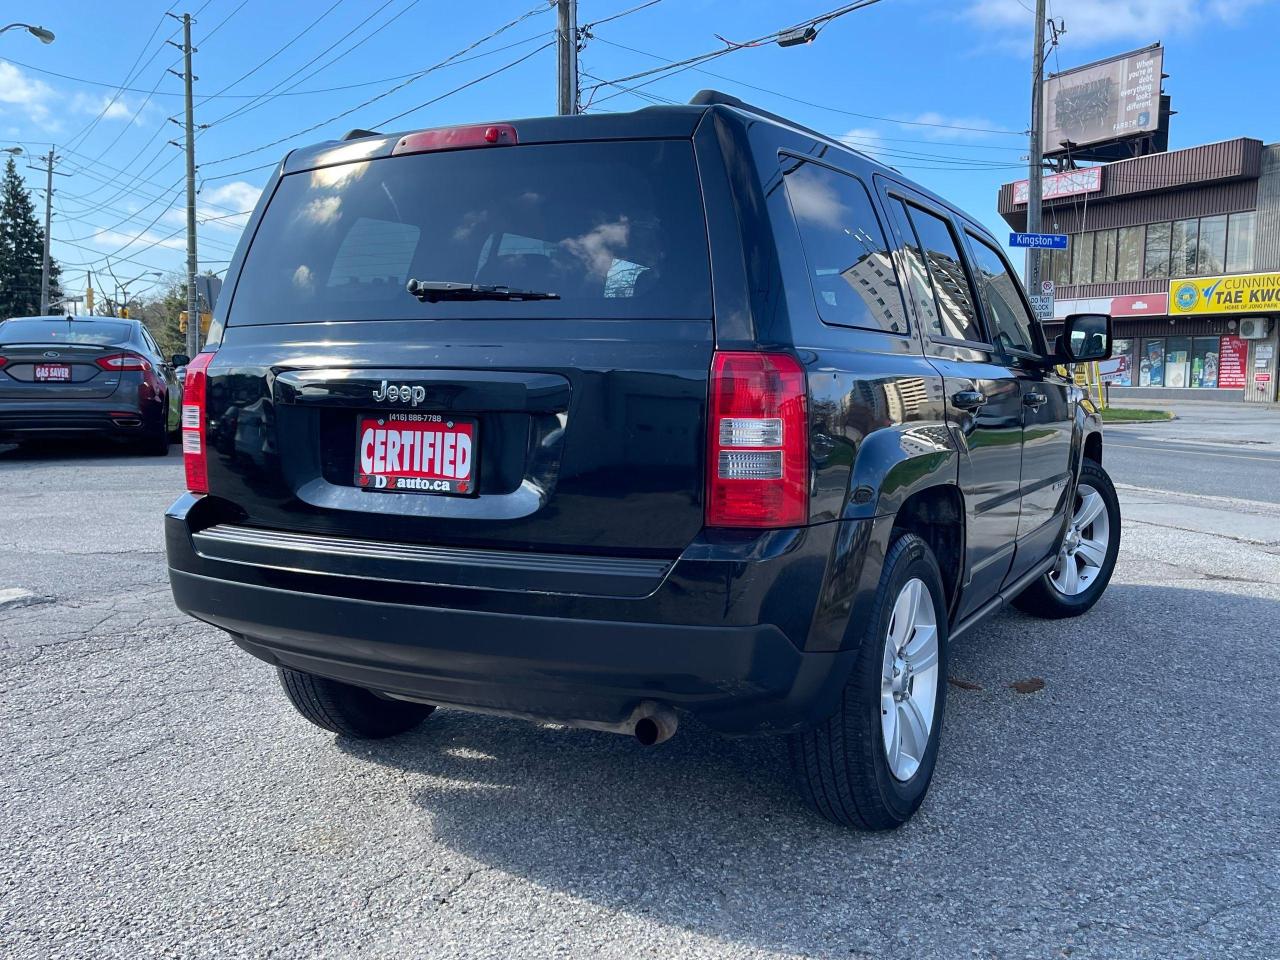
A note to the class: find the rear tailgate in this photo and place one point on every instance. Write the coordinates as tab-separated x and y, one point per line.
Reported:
583	417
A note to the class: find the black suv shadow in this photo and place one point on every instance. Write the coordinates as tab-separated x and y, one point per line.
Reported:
1030	814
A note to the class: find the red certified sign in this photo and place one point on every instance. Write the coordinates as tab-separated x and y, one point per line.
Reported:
1140	305
1262	378
416	453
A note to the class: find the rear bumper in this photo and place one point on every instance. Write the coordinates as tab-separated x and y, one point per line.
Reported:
704	639
30	419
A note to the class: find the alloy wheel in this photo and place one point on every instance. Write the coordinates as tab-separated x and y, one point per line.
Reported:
1083	553
909	679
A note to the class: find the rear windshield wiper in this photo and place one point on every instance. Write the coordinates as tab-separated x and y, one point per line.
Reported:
433	291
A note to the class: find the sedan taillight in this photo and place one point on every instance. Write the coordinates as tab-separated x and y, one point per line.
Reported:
758	442
195	455
123	361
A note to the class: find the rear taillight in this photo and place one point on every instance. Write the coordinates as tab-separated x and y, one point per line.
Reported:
194	453
457	138
3	361
123	361
758	440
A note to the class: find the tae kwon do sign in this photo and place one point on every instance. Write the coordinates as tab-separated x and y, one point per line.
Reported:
1244	293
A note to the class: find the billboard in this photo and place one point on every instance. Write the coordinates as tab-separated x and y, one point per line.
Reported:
1070	183
1242	293
1102	101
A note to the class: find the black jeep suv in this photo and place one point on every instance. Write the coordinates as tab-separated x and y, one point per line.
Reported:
609	419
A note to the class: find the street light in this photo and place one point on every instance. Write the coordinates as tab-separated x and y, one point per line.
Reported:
40	33
16	151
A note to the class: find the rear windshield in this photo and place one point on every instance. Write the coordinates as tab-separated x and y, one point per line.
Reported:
616	229
101	332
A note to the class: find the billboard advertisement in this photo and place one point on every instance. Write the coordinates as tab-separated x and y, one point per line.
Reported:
1245	293
1103	101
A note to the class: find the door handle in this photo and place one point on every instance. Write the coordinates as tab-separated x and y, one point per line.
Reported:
968	399
1034	399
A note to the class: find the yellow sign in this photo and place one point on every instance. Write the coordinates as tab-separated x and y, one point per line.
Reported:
1243	293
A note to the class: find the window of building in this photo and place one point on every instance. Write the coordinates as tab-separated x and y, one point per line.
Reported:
1240	229
956	318
1211	251
1182	253
1151	364
1156	255
1082	259
853	279
1060	265
1129	253
1204	362
1007	316
1104	256
1177	362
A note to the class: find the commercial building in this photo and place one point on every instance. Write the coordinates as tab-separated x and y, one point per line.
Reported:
1182	248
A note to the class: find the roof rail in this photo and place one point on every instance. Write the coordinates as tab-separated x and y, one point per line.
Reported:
712	97
358	134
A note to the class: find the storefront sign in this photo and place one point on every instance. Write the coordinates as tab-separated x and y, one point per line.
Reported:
1069	184
1247	293
1140	305
1233	359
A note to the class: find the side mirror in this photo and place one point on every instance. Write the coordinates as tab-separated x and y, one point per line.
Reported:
179	360
1086	337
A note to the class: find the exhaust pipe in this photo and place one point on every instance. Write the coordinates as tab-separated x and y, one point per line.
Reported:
654	724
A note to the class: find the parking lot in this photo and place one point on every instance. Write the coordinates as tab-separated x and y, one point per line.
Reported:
161	798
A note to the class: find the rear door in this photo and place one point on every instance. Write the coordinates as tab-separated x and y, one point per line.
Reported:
1047	409
338	403
983	397
56	359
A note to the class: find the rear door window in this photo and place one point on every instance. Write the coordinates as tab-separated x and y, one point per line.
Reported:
615	228
853	279
934	245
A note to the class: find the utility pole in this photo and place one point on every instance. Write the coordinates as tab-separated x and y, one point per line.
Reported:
48	216
567	56
1035	159
193	301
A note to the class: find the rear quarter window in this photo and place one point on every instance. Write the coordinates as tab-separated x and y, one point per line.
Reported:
850	270
615	228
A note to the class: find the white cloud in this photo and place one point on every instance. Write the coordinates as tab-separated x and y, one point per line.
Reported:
119	108
938	126
1101	21
26	96
225	199
865	139
115	239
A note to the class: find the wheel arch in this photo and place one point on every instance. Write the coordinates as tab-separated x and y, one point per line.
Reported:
936	515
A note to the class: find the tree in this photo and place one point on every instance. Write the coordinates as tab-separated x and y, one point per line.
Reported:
21	250
160	311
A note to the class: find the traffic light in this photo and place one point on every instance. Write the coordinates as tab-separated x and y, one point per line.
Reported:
205	319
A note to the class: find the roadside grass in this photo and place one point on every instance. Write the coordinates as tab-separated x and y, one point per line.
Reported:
1133	415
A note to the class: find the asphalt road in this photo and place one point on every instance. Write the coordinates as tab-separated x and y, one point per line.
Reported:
1224	449
158	797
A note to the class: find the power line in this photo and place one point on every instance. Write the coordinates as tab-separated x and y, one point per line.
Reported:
811	103
263	63
400	86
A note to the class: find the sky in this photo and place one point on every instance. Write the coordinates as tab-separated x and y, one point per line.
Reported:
940	90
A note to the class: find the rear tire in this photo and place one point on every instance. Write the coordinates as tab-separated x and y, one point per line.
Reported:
349	711
1073	586
156	444
847	768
